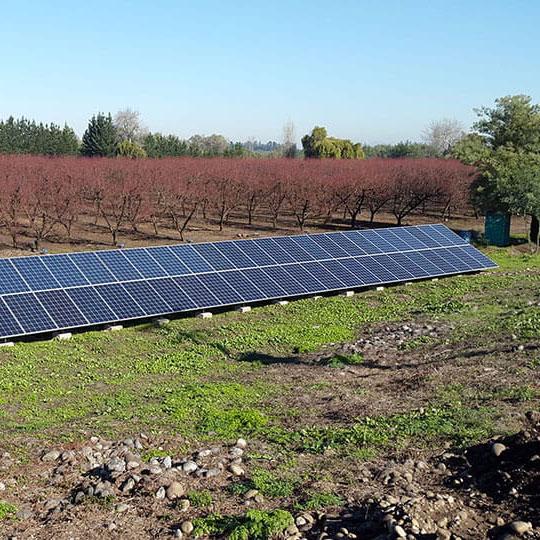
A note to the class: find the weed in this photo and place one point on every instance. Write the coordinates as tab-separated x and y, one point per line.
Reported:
457	423
254	525
341	360
518	393
200	499
415	343
320	501
272	485
534	363
7	510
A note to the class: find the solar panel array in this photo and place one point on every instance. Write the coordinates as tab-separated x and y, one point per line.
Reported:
68	291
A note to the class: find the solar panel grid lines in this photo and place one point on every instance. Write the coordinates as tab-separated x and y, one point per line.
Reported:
68	291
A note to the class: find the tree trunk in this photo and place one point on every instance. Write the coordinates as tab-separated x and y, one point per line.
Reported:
534	234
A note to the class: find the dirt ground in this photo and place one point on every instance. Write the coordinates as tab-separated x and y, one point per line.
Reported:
87	235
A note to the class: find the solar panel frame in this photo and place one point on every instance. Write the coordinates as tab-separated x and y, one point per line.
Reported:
84	289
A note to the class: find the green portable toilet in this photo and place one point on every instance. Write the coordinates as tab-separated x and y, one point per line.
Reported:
497	228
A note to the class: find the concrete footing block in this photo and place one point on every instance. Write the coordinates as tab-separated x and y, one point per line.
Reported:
113	327
62	336
379	288
243	309
316	297
408	283
204	315
7	344
435	279
347	294
162	321
281	302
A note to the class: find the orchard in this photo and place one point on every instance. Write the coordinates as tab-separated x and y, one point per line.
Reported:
43	196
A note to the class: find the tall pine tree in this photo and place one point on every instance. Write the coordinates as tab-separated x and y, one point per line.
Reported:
99	139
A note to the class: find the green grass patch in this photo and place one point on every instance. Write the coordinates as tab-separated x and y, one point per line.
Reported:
452	422
342	360
7	510
200	499
416	343
271	484
254	525
320	501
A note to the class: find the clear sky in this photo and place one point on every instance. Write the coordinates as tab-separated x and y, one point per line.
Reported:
370	70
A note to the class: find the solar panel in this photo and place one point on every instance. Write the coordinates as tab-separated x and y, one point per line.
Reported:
67	291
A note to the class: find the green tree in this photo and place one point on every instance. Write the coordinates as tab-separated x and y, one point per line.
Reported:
99	139
471	149
514	123
319	145
130	149
506	149
22	136
157	145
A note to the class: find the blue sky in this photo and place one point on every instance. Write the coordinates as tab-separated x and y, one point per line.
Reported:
368	70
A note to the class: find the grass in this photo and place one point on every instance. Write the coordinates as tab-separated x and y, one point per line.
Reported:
342	360
185	377
450	422
7	510
253	525
200	499
320	501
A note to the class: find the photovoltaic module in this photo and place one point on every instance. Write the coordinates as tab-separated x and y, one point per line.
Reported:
52	293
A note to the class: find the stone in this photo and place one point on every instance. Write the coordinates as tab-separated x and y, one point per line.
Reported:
167	462
251	494
122	507
178	533
132	465
160	493
400	531
128	485
51	504
24	513
213	472
241	443
189	466
497	449
175	490
187	527
113	327
53	455
300	521
183	505
2	486
116	465
236	470
236	452
520	527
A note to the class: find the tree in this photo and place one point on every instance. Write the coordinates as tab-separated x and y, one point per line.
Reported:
130	149
157	145
443	134
99	139
471	149
22	136
510	134
514	123
127	123
289	140
319	145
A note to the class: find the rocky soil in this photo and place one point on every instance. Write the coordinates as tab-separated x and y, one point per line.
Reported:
111	488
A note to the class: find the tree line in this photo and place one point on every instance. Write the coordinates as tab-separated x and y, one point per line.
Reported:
46	197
